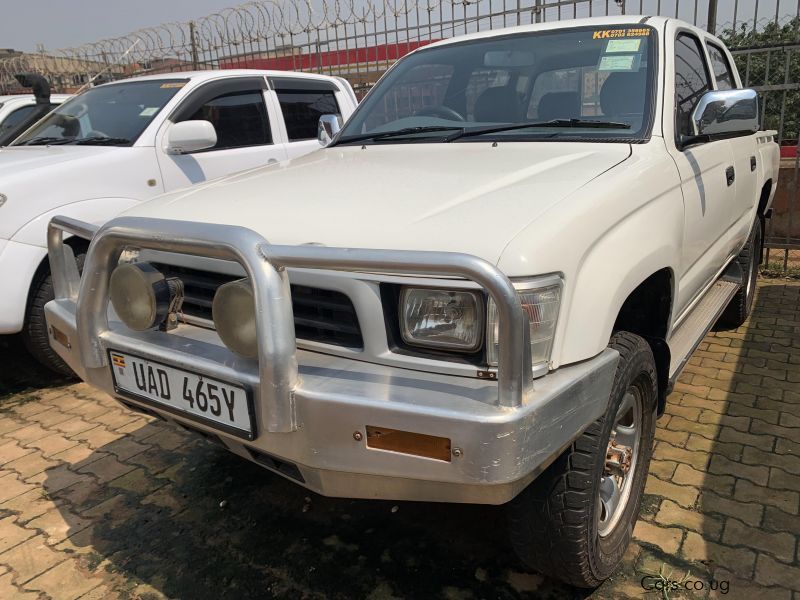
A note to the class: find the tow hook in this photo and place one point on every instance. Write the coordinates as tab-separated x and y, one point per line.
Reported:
618	458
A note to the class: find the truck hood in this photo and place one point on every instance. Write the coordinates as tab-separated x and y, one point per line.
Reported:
40	179
14	160
461	197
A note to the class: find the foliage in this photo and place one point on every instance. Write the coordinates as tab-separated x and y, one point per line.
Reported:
771	61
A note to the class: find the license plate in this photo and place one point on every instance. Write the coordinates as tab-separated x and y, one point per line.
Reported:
211	401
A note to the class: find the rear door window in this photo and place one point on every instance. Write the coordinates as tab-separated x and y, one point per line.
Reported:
302	109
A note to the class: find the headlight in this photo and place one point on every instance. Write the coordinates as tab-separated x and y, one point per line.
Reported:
446	319
540	299
234	314
141	295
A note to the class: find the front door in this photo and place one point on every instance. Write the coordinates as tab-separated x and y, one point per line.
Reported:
707	174
240	114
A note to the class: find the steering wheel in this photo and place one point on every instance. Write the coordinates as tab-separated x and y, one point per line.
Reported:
445	112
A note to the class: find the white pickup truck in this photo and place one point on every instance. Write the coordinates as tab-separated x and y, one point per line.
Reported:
120	143
541	224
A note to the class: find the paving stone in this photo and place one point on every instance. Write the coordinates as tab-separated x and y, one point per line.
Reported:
760	427
74	425
668	539
672	514
58	524
11	451
787	462
739	560
12	486
722	466
12	534
748	512
788	501
663	469
701	444
780	545
677	423
27	434
664	451
763	442
31	464
79	455
772	572
778	520
30	505
686	475
31	558
11	591
126	447
738	587
53	444
66	580
106	469
57	478
778	478
682	494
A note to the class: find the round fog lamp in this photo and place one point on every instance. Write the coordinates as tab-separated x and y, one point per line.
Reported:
234	314
140	295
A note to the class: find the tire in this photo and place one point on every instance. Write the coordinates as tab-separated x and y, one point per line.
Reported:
741	304
559	525
34	332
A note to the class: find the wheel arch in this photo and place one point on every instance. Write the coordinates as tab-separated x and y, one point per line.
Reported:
647	312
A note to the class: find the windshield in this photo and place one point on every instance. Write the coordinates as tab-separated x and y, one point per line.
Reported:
582	83
112	115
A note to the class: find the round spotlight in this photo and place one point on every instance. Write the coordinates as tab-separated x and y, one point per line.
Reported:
140	295
234	314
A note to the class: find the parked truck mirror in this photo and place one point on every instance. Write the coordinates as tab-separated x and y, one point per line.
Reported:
329	126
190	136
726	113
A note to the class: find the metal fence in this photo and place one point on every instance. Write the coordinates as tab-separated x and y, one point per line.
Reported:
359	39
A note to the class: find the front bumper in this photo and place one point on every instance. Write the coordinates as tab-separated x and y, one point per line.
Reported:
324	401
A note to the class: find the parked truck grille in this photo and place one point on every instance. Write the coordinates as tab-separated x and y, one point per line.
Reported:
320	315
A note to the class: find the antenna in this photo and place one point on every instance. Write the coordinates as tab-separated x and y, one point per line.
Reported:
108	67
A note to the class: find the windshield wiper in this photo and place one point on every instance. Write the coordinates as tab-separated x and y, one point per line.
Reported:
97	141
41	141
579	123
398	133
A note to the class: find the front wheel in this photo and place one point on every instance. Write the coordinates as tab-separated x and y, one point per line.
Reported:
575	521
34	331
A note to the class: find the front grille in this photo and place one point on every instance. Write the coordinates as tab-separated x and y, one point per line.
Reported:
320	315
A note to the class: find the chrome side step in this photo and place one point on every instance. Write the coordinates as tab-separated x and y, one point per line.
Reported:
687	336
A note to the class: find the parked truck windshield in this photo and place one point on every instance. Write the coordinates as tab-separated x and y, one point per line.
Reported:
112	115
585	83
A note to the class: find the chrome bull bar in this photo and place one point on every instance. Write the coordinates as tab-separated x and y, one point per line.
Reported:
265	265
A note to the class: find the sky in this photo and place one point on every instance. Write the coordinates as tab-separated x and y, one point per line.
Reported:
65	23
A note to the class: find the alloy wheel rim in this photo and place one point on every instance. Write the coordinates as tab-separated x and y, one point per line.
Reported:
621	462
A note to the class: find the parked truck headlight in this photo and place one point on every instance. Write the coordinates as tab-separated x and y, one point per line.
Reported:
540	299
234	314
141	295
445	319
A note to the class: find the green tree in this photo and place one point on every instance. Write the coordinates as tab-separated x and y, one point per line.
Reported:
765	58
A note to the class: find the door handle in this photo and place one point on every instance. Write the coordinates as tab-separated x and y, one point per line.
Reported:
730	175
752	163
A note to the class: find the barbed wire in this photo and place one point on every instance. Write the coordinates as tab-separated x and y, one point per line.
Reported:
354	38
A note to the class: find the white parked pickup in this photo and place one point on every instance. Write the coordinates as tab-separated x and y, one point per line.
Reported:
539	227
120	143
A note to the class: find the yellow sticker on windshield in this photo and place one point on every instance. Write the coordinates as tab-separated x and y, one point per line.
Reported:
605	34
173	85
614	46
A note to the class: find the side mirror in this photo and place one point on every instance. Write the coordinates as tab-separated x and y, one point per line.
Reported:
190	136
327	128
725	114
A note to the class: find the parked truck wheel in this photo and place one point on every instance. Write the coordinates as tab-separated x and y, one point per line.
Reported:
741	304
34	331
574	522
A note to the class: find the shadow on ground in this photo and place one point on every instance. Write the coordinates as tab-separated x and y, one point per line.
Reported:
198	522
19	372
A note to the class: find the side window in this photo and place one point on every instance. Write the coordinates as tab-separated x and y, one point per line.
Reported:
17	117
240	119
302	109
721	67
691	79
